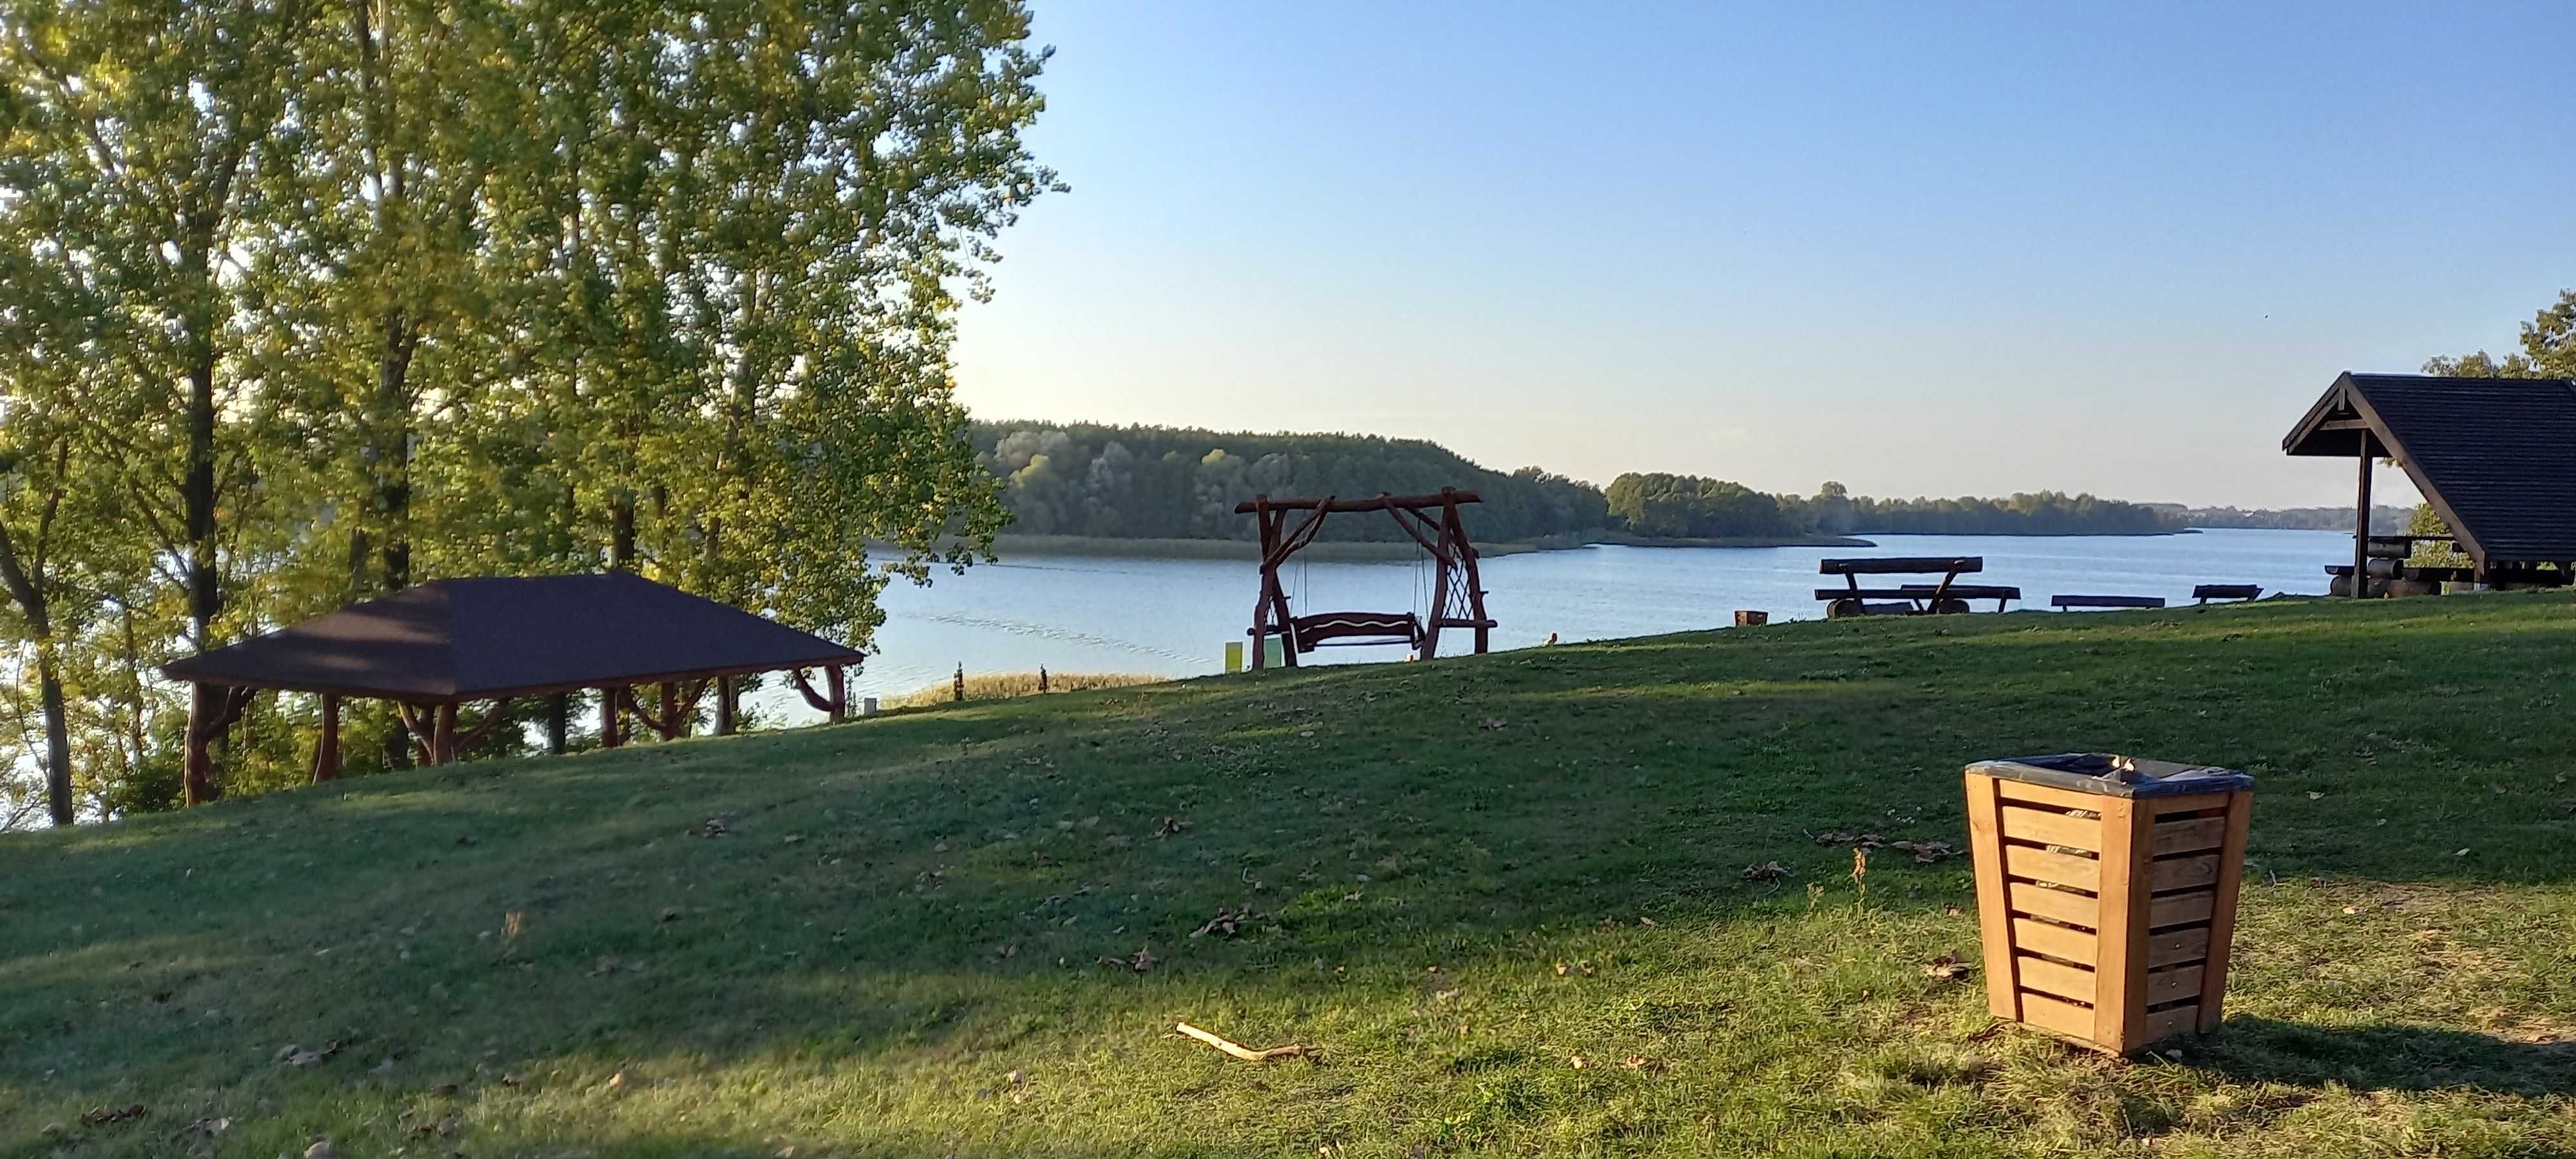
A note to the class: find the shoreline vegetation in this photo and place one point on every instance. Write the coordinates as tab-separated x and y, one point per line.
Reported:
1172	491
1345	551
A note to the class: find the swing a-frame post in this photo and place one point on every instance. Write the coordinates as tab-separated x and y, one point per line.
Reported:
1457	591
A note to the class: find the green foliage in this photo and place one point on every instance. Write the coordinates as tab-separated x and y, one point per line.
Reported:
1144	482
301	302
915	935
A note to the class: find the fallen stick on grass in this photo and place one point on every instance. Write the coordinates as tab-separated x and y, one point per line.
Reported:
1238	1050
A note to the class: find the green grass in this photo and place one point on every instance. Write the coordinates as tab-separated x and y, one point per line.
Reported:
997	685
894	946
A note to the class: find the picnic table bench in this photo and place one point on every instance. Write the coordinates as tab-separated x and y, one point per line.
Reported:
1946	596
2064	602
2207	592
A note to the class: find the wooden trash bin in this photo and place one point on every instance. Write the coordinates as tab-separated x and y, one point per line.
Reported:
1751	619
2106	892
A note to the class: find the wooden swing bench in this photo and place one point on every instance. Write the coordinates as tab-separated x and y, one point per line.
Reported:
1443	537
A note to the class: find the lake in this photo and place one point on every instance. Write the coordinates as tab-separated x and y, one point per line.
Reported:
1174	616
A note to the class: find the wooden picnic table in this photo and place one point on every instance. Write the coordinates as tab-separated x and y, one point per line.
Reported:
1948	595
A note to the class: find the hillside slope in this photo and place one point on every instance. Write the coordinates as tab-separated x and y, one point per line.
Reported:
1502	896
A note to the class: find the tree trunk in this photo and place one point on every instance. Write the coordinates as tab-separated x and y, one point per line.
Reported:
621	532
559	723
58	744
205	598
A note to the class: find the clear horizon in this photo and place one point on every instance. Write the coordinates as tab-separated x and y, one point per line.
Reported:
1918	253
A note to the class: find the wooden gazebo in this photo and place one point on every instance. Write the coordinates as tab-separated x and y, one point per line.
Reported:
2496	458
437	645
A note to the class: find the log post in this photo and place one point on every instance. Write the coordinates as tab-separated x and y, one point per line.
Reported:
609	735
326	747
2361	525
724	705
558	723
837	687
442	736
196	765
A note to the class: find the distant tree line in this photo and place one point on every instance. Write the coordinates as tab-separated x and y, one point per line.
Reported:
2384	520
1690	507
1171	483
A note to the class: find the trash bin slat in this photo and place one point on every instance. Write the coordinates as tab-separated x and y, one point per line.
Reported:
2051	827
2061	868
2081	909
2187	804
2190	836
2176	909
2168	985
2182	873
2051	1014
2166	1023
2058	942
2056	978
2177	948
2049	795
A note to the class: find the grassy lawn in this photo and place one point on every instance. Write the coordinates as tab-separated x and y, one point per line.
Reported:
1501	897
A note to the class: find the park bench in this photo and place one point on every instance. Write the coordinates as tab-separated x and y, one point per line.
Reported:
2207	592
2062	603
1946	596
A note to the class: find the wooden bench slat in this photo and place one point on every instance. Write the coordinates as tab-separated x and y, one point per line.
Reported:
1900	564
2106	601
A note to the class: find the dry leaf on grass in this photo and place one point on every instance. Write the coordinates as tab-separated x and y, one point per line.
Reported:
1868	840
1495	724
1945	968
1226	923
1926	852
714	827
1140	961
1767	871
1171	827
102	1116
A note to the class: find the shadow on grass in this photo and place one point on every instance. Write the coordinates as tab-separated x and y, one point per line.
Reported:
2386	1057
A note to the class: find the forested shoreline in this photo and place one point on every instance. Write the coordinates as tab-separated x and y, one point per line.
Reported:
1170	483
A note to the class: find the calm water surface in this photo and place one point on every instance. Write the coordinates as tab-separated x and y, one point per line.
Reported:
1174	616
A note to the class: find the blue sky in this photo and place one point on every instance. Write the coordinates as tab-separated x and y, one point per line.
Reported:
1921	249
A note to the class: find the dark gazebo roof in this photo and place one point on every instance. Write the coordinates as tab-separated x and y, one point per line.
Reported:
483	639
2496	457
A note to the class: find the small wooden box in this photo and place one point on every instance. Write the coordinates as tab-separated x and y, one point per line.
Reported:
2107	898
1751	619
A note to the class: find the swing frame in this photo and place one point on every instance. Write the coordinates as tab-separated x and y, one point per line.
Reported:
1443	535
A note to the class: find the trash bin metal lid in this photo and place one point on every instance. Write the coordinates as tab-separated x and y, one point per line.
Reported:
2114	775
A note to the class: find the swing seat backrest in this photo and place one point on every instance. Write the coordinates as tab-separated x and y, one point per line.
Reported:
1356	628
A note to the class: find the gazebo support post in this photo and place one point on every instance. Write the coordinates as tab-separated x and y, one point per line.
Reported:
609	736
724	705
442	737
840	693
2361	525
326	747
559	723
212	709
